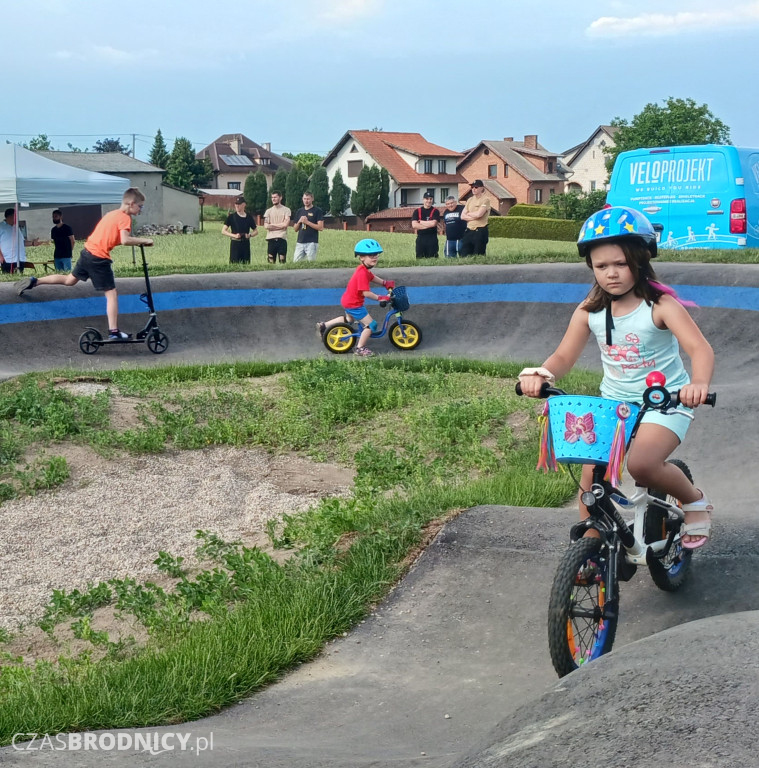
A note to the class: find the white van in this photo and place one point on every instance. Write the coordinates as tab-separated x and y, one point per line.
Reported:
696	197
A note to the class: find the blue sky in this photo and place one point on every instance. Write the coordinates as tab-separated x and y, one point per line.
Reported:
299	74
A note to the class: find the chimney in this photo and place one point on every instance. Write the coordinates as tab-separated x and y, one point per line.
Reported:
267	146
508	138
531	141
235	144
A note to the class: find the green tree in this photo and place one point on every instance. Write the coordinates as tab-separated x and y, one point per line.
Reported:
159	154
256	195
111	145
297	184
39	143
384	198
202	173
576	205
306	161
365	199
319	186
679	122
280	184
339	196
180	170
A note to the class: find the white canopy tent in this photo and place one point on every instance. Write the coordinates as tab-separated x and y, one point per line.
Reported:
27	178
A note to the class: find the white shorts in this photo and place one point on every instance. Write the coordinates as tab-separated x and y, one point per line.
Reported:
305	251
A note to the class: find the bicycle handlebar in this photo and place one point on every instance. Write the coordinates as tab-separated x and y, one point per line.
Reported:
546	390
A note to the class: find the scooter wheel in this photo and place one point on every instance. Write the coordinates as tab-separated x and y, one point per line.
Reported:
158	342
90	341
340	338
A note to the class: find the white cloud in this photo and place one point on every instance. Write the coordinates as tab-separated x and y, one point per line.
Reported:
348	11
664	24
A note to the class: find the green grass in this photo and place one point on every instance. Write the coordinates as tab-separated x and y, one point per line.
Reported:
425	436
208	252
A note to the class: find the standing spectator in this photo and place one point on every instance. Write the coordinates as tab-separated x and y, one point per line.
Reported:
12	244
239	227
309	221
425	224
476	213
276	222
454	226
63	237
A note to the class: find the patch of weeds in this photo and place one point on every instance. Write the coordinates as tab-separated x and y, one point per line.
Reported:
169	564
64	604
82	630
5	636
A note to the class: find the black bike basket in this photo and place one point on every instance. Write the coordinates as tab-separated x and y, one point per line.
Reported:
400	299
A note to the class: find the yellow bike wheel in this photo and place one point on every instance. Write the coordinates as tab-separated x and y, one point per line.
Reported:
405	335
339	339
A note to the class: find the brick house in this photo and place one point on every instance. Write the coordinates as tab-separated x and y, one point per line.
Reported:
513	172
415	165
586	162
233	156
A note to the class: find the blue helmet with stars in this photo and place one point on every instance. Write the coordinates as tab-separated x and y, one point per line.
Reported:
611	225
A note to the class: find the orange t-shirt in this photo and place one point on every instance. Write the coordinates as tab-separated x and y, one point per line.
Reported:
107	234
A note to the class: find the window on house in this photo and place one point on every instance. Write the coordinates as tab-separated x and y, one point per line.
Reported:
492	171
538	195
233	185
428	166
506	170
551	192
592	186
354	148
431	191
443	194
550	166
404	197
442	166
264	161
354	168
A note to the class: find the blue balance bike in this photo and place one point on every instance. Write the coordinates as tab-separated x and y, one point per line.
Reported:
404	334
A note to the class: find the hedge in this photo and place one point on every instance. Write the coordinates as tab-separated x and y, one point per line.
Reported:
531	228
523	209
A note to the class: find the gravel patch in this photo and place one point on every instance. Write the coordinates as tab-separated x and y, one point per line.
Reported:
113	517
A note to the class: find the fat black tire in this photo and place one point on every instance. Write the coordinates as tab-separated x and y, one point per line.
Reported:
405	335
158	342
572	640
339	339
89	341
670	573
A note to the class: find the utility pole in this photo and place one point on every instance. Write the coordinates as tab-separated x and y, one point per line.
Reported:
133	140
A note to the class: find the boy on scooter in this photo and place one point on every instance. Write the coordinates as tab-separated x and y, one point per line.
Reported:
115	228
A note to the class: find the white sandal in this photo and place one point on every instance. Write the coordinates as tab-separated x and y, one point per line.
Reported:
700	528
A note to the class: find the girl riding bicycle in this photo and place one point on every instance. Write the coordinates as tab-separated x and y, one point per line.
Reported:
639	325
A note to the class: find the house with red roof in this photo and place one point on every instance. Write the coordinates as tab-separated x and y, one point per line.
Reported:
415	165
233	156
513	172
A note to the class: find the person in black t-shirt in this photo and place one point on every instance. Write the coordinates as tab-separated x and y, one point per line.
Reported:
239	227
425	223
63	237
454	226
309	221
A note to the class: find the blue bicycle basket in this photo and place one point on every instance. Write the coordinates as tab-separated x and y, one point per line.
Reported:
583	427
400	298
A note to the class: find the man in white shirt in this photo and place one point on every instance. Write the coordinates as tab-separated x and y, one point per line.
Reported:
12	244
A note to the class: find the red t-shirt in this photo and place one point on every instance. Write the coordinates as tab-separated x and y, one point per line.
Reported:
360	281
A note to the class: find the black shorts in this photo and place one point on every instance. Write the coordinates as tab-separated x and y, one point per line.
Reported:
426	247
277	246
474	242
100	271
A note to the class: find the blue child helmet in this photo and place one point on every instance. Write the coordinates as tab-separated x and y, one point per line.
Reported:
367	247
610	225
